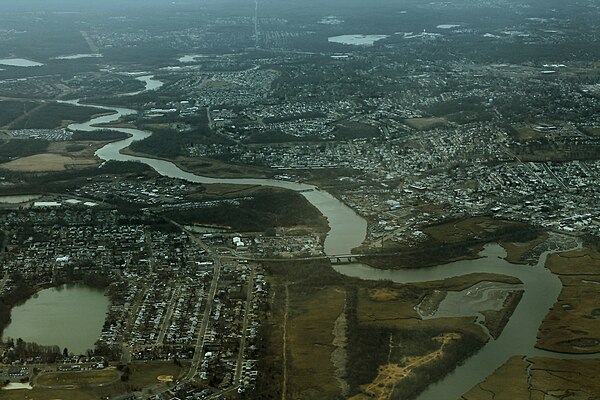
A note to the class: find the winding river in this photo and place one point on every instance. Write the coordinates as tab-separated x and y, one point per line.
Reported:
348	230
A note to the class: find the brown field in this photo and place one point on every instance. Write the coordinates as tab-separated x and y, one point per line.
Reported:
549	379
424	124
46	163
573	323
311	374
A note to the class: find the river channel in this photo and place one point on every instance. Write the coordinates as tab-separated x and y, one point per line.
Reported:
348	230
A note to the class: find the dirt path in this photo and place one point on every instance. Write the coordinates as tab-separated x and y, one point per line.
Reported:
285	320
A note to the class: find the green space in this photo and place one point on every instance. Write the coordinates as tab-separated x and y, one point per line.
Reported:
424	124
348	130
264	209
170	143
55	115
11	110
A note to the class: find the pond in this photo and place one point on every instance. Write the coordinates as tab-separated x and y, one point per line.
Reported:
69	316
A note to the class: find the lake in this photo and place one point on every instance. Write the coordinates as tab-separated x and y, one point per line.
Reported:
19	62
69	316
357	40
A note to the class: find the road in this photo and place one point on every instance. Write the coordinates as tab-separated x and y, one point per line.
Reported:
240	360
168	315
198	353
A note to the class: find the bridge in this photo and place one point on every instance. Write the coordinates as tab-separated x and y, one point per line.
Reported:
344	258
333	258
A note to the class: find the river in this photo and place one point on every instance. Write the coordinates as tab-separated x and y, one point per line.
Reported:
69	316
348	230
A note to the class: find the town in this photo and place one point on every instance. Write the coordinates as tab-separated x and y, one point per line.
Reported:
248	194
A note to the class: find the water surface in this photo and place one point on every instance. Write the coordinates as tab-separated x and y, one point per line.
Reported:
68	316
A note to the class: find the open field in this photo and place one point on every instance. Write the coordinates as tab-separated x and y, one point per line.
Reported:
424	124
141	374
311	374
527	133
147	373
45	163
92	378
573	324
595	132
547	379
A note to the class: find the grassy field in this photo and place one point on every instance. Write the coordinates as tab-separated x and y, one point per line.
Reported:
82	378
143	374
45	163
572	324
310	326
424	124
